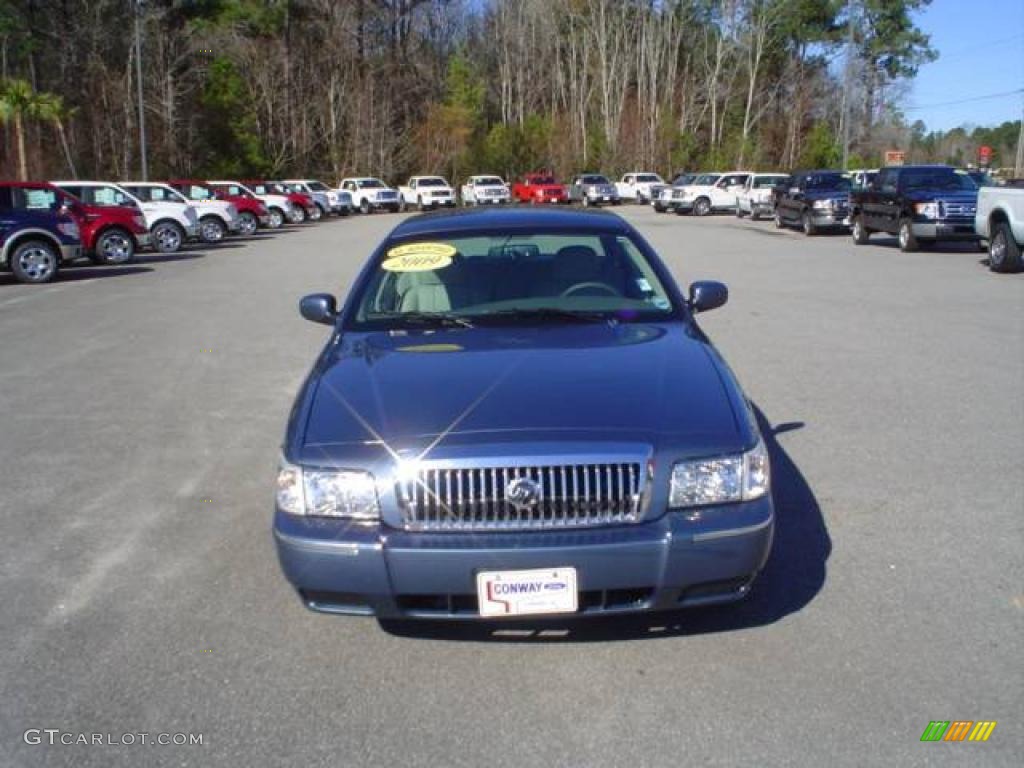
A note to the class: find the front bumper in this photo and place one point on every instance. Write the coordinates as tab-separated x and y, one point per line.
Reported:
192	230
934	230
143	240
676	561
234	225
829	219
597	199
70	252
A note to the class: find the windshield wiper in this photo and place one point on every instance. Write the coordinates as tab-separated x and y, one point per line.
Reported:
548	313
442	319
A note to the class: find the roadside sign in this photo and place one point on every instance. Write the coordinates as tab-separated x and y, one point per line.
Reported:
984	155
895	156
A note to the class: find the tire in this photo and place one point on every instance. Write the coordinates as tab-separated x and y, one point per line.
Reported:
702	206
658	207
35	262
167	236
586	201
908	243
419	204
755	216
275	218
302	216
211	229
780	223
247	223
115	246
1003	251
807	224
317	213
858	231
364	206
739	211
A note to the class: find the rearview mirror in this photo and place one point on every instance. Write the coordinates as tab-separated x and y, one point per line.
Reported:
319	308
707	294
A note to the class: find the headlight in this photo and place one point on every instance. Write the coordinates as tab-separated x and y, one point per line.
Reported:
720	480
539	193
139	220
928	210
822	205
326	492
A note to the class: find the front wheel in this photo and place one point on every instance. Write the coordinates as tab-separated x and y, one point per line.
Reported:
115	246
702	207
779	222
167	236
316	213
908	242
739	211
275	218
859	232
754	215
247	223
211	229
34	261
1003	251
364	206
808	225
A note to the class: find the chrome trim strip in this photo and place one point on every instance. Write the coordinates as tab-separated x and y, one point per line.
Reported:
730	532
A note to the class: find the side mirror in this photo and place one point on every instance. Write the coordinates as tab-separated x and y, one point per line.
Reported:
707	294
319	308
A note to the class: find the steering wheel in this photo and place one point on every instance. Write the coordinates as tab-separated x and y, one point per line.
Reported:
603	287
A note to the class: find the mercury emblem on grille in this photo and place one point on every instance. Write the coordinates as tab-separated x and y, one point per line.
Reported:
523	493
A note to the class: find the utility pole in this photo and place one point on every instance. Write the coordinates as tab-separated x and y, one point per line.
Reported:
848	84
138	85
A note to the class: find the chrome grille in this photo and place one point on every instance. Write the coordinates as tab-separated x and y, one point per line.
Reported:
949	210
567	496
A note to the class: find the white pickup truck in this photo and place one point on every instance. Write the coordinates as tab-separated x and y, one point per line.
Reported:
426	192
640	186
999	219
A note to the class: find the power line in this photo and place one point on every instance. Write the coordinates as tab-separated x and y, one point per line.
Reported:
965	101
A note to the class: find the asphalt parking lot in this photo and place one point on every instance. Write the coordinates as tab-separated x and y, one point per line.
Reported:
141	409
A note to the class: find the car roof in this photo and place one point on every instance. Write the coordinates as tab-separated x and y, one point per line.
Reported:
472	220
27	184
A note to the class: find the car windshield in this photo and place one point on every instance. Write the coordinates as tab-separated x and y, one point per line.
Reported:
647	178
370	184
541	180
765	182
936	178
683	179
317	186
707	179
829	181
594	179
488	181
432	181
511	277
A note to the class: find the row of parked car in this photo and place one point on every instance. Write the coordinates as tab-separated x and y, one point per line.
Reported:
921	205
44	225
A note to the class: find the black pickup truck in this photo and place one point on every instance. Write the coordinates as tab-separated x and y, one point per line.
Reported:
920	204
813	201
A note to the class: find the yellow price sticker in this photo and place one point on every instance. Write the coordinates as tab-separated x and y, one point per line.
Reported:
418	257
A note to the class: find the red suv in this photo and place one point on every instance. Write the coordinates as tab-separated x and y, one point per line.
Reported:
252	213
539	188
303	208
110	234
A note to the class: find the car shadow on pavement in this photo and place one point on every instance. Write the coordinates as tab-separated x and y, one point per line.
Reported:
792	577
160	258
74	274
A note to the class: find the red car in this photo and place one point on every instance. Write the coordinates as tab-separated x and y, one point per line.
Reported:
539	188
303	208
252	213
110	234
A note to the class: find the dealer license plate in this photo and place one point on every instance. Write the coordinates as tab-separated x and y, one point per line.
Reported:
524	593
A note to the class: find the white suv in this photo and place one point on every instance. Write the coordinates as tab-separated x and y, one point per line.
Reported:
216	217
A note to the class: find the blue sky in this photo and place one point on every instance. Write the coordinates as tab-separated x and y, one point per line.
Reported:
981	52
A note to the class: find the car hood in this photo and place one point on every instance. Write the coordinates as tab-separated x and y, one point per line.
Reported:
636	382
547	188
969	197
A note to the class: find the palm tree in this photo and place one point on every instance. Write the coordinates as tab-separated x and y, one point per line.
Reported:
18	103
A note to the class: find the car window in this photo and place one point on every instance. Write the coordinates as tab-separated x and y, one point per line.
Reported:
480	275
105	196
594	179
487	181
35	199
648	178
766	182
431	181
706	179
886	181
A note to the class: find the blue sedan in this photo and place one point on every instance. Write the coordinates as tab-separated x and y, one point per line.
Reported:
516	414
